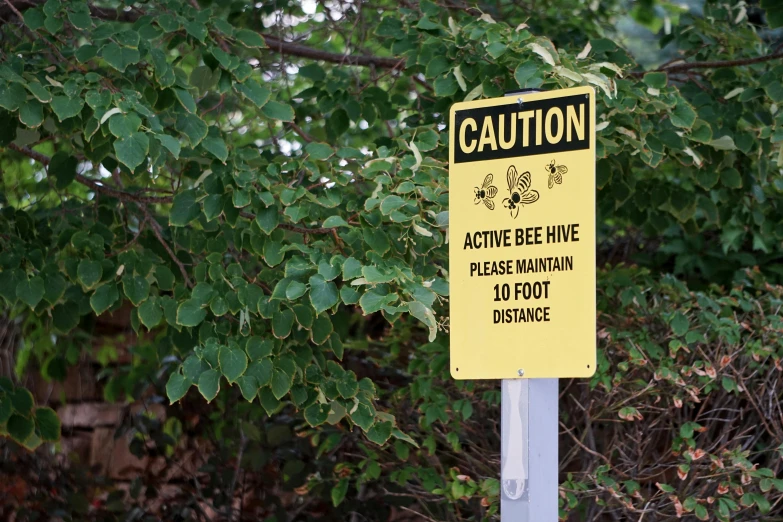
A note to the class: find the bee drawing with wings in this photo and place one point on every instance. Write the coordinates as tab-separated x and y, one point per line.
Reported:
486	193
556	173
519	191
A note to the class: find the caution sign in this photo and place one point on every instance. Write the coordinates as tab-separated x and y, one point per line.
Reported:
522	236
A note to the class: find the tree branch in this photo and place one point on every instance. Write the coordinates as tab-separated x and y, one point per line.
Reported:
157	230
94	185
294	228
275	44
302	51
144	200
688	66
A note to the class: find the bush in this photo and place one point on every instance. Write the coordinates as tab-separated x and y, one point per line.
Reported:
271	203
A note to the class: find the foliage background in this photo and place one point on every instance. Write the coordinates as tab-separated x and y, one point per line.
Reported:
265	185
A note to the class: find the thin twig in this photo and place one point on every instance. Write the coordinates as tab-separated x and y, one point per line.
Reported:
237	469
157	230
302	134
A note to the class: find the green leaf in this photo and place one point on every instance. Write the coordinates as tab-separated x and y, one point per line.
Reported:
391	203
775	90
348	387
248	385
680	324
190	313
65	317
723	143
171	143
233	363
437	66
316	414
373	275
281	383
184	208
249	38
209	384
119	57
261	370
525	72
349	295
656	80
372	302
774	11
104	297
339	491
89	272
216	147
20	427
496	49
352	268
31	113
193	127
319	151
177	386
63	167
268	218
329	271
34	18
124	125
323	294
321	330
426	316
193	367
258	348
86	52
186	99
30	291
66	107
380	432
197	30
12	96
150	313
268	401
282	322
80	18
254	92
295	290
136	288
54	288
731	178
683	115
5	409
218	306
335	221
278	111
39	91
132	151
22	401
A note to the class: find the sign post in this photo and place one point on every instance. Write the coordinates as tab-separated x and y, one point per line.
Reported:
522	271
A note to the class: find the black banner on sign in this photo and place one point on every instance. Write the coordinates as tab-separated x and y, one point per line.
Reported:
513	130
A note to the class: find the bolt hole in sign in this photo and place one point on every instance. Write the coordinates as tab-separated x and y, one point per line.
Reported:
522	236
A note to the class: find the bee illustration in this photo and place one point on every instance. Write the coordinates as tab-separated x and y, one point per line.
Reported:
485	193
519	191
556	173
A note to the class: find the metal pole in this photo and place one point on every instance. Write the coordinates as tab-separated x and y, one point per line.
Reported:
528	456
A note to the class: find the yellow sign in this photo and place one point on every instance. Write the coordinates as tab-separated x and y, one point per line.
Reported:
522	236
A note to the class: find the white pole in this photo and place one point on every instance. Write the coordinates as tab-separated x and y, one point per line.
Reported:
529	451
